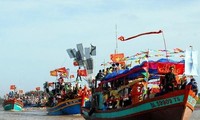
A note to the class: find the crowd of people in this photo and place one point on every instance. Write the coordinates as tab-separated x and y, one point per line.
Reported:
61	91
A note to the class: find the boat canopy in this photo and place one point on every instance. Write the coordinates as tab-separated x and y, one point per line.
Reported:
155	68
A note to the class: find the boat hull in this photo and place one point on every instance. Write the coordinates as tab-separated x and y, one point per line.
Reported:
67	107
177	105
13	105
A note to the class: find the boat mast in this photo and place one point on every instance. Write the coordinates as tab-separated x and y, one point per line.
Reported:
116	49
165	44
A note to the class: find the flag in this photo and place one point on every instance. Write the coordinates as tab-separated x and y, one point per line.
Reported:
62	70
71	76
121	38
75	63
64	75
82	72
12	87
117	57
53	73
177	50
37	88
147	33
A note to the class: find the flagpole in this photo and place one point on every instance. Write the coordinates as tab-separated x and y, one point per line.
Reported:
165	44
116	50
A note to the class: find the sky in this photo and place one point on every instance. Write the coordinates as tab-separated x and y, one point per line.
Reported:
34	34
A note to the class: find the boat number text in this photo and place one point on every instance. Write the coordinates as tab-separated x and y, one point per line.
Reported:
165	102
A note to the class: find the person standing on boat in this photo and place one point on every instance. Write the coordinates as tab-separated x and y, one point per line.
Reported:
78	74
193	84
170	79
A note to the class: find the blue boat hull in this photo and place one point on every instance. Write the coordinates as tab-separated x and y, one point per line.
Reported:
67	107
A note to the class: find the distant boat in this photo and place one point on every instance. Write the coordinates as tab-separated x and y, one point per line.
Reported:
13	104
67	107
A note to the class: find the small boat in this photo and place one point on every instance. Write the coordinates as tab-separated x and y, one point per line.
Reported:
13	104
67	107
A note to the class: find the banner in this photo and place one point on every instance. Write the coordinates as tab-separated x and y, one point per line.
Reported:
147	33
163	68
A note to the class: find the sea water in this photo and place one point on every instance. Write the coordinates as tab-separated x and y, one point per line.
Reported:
41	114
34	114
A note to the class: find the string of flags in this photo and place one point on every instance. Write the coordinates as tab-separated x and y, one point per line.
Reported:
144	55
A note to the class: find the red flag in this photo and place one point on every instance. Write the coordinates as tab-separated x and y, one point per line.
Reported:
117	57
62	70
121	38
12	87
147	33
75	63
82	72
37	88
71	76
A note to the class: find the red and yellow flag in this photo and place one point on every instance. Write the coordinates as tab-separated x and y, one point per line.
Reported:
117	57
82	72
53	73
71	76
62	70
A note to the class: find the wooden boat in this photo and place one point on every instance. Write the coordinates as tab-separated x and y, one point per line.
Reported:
177	105
63	100
135	104
67	107
13	104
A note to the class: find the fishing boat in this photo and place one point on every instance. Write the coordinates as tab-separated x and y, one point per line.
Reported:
67	107
123	94
13	105
64	98
12	102
177	105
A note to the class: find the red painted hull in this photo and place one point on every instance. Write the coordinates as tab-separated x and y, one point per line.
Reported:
178	111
